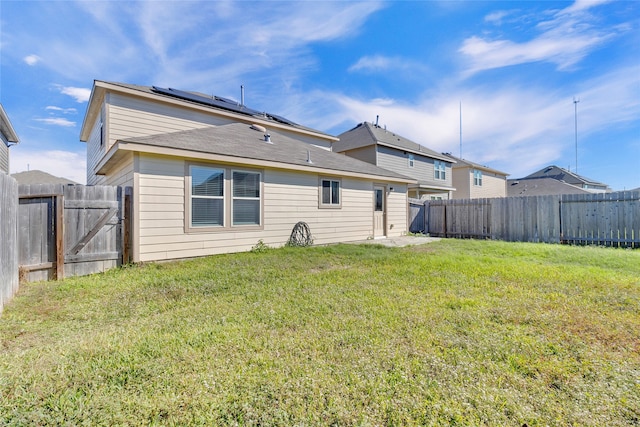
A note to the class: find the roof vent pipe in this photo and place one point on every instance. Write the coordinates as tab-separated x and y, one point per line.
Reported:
242	95
377	118
267	138
309	157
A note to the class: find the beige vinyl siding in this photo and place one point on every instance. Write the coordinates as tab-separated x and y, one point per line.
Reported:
95	152
122	174
423	169
4	156
397	203
493	185
132	117
462	181
288	197
366	154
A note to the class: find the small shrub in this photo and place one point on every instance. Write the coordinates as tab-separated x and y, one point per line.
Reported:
260	247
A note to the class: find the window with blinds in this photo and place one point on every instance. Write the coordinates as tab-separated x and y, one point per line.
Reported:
207	196
246	198
222	198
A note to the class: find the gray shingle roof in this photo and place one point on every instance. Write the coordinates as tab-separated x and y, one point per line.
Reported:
39	177
242	141
467	163
540	187
562	174
365	134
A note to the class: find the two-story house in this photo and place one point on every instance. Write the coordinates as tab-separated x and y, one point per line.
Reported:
8	137
381	147
211	175
476	181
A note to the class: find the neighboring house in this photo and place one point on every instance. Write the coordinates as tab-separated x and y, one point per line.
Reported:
9	137
40	177
573	179
475	181
211	176
540	187
378	146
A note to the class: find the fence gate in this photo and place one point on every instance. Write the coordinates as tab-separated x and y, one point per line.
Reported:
70	230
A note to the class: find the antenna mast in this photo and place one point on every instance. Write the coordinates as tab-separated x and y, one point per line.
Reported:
575	106
461	129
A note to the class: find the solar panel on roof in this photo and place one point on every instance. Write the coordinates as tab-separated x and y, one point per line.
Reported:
281	119
215	101
219	102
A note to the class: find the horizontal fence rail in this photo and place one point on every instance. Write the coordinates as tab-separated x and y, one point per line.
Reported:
608	219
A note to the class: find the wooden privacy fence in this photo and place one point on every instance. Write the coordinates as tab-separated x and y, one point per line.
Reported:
609	219
71	230
8	238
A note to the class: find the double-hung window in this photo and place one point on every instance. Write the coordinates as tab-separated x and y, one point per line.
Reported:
246	198
223	198
207	196
439	168
329	193
412	160
477	178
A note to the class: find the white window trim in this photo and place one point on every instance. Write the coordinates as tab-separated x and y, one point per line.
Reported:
227	200
439	173
322	205
477	178
260	198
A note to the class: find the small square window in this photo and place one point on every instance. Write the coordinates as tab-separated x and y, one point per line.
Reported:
330	193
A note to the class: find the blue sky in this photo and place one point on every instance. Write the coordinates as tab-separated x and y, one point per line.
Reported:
514	67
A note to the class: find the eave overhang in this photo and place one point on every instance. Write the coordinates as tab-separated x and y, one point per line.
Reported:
121	149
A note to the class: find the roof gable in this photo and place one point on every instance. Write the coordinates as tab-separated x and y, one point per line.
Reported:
366	134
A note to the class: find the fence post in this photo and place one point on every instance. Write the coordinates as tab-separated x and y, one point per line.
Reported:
59	200
126	225
425	226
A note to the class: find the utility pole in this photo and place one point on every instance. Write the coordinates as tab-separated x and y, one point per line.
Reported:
575	107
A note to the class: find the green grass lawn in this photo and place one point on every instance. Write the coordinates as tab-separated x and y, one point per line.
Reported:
449	333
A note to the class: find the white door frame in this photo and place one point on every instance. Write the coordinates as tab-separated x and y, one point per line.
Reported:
379	211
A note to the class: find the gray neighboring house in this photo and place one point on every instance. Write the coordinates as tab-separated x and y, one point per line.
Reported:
9	138
572	181
376	145
40	177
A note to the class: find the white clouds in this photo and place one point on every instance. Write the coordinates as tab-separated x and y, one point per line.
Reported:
61	110
514	128
80	94
372	63
382	64
57	121
32	60
66	164
564	40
